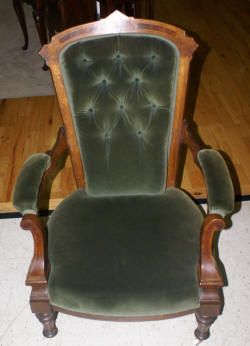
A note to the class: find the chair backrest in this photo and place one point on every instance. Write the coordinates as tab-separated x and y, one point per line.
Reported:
121	86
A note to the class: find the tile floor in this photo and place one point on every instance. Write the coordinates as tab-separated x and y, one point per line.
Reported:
20	328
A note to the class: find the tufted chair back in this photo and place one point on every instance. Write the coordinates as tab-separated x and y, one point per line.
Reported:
121	89
121	85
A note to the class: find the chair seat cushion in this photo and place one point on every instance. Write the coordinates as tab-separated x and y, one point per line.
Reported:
125	256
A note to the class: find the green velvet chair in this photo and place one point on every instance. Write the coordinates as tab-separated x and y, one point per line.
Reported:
128	244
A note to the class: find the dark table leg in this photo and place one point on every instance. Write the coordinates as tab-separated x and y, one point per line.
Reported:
18	7
39	18
63	14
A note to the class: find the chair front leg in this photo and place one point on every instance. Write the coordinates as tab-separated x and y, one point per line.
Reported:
41	307
38	274
210	309
48	320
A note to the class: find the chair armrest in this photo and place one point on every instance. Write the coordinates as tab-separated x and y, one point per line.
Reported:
217	177
28	183
33	174
218	182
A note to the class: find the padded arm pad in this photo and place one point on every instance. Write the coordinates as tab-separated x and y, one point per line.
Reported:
26	190
219	184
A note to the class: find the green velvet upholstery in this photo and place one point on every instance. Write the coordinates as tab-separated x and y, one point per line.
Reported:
28	182
125	256
218	181
121	90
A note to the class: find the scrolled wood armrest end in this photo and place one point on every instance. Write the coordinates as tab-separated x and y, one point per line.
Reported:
209	272
37	273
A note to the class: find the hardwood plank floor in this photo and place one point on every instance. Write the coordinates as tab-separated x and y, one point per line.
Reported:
218	101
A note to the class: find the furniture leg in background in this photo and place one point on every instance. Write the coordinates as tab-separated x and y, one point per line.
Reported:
39	18
74	12
135	8
38	7
18	7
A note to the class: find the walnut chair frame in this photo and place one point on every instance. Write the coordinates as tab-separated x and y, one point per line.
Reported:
210	278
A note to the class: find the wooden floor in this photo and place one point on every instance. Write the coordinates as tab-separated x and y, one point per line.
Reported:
218	101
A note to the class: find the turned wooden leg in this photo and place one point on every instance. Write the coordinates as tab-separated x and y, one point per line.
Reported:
210	309
204	323
40	306
48	321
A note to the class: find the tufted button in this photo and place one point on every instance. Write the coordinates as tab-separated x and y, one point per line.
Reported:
153	108
139	132
121	107
103	81
91	110
137	80
85	62
118	56
153	57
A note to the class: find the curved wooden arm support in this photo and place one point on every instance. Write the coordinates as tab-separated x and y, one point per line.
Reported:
190	142
38	274
38	270
58	149
55	153
210	276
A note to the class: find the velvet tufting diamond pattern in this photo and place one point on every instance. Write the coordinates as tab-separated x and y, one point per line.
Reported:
121	90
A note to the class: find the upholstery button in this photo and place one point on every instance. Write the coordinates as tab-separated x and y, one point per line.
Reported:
137	80
90	110
118	56
121	107
104	81
153	57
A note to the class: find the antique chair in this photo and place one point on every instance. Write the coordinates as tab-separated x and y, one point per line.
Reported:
127	245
